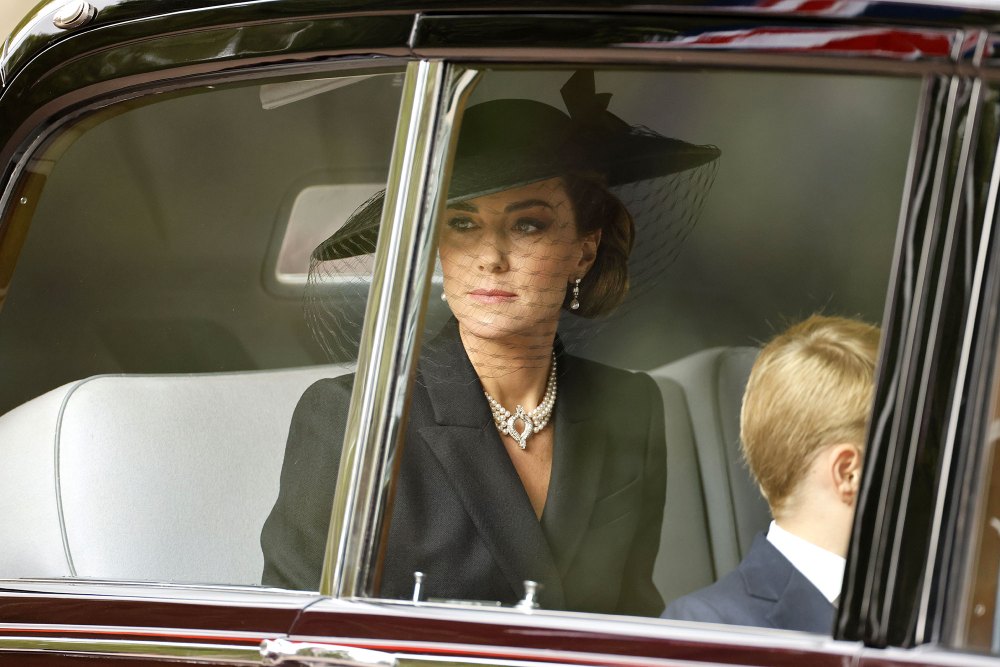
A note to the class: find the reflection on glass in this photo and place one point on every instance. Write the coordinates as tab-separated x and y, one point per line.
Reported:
487	497
150	367
525	460
149	284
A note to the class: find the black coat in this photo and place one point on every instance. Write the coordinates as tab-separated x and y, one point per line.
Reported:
461	514
765	590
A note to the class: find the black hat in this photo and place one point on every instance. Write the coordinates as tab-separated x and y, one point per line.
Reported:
512	142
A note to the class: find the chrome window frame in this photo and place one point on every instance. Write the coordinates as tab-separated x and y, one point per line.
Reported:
390	336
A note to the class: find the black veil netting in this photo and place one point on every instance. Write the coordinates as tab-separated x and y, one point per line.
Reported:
528	180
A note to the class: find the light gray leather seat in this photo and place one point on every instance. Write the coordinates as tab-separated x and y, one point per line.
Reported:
170	477
713	506
165	477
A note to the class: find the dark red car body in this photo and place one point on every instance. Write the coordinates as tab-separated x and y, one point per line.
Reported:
905	567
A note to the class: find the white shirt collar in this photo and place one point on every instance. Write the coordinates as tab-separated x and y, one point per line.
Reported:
824	569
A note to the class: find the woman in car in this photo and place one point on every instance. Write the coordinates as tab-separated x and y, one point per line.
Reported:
521	461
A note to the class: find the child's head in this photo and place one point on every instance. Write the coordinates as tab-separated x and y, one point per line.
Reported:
810	388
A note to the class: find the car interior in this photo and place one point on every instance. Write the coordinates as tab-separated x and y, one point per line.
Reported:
154	344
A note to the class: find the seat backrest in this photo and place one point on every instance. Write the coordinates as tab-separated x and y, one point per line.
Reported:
708	483
147	477
684	561
87	467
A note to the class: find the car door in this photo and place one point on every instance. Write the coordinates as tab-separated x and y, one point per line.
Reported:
164	196
944	99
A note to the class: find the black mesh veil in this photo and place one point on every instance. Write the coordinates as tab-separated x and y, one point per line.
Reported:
337	287
554	221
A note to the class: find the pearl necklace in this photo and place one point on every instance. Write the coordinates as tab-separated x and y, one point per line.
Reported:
533	421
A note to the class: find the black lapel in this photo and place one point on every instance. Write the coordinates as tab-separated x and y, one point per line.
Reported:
467	445
581	438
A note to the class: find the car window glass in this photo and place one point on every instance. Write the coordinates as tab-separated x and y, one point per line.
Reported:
782	201
155	323
178	245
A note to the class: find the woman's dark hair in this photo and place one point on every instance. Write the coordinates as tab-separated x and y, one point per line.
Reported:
596	208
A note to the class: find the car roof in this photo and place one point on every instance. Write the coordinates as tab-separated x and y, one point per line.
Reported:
36	32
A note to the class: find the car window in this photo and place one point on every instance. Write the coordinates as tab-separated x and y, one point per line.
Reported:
580	451
194	271
153	341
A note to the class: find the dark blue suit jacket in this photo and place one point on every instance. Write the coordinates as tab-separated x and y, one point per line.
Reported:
765	590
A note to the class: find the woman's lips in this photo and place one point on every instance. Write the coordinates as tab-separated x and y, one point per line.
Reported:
492	296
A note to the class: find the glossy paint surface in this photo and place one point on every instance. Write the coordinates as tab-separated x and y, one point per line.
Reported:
436	35
203	625
479	633
446	633
48	73
97	610
134	54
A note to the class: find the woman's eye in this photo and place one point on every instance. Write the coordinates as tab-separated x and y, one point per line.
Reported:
461	223
529	226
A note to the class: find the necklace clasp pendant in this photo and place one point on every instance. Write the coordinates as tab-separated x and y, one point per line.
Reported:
520	438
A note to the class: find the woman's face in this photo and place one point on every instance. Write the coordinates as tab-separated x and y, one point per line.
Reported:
508	259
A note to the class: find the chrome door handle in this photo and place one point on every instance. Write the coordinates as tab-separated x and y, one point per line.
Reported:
284	651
